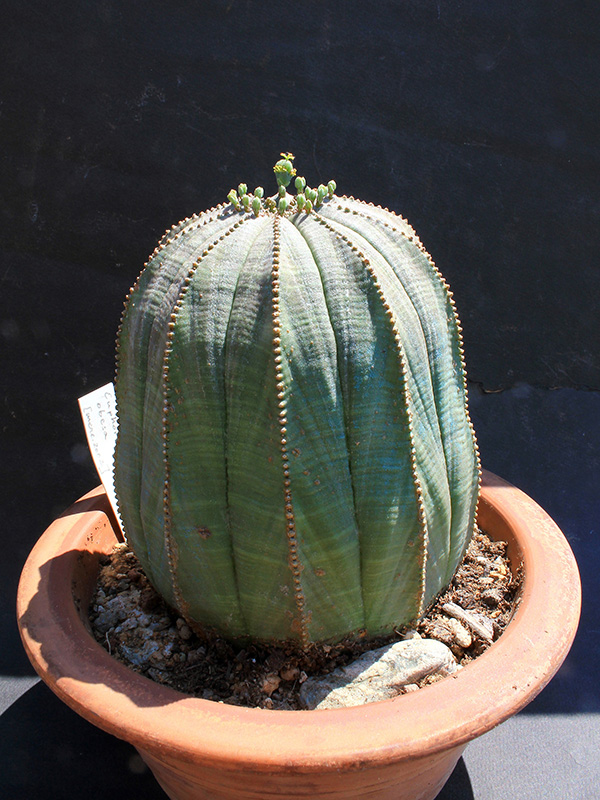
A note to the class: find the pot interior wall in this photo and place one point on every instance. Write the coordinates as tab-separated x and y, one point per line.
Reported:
99	541
499	531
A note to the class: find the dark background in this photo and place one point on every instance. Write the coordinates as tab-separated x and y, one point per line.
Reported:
478	121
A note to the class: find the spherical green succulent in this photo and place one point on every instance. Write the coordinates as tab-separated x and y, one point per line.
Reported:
295	458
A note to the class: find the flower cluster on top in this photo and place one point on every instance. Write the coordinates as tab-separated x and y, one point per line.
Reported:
305	199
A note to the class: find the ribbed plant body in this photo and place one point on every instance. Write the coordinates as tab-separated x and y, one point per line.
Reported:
295	457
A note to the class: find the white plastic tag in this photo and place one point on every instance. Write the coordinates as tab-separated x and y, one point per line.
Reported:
99	413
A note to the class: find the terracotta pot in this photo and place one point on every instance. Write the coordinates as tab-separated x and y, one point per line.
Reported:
402	749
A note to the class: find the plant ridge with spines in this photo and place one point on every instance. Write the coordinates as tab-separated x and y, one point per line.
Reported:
295	458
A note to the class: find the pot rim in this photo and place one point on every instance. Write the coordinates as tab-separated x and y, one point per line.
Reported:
446	714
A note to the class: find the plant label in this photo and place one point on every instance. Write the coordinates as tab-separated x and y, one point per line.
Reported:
99	413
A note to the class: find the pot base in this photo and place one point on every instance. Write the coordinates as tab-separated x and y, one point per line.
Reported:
418	779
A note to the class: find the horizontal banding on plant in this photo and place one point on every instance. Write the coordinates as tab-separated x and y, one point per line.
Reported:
290	377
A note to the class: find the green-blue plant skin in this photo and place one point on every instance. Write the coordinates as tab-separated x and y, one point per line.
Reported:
295	457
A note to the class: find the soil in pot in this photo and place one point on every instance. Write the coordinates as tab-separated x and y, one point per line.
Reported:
135	626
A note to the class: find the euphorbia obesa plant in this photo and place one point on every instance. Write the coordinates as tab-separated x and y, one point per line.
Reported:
295	457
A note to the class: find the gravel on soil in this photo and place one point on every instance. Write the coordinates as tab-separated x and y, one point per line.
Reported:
135	626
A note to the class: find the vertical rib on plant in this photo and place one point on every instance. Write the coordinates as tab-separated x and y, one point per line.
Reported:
295	457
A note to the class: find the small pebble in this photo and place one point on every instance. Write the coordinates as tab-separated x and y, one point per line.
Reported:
491	598
270	683
440	630
475	622
114	611
127	625
499	569
161	624
185	632
168	649
289	673
140	655
461	635
193	657
157	675
157	657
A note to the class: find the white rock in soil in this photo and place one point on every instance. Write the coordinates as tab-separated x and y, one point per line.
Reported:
112	612
379	674
127	625
480	625
140	656
461	635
